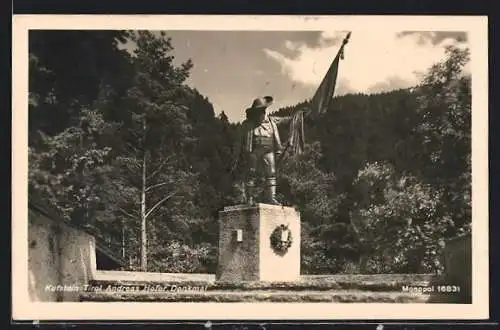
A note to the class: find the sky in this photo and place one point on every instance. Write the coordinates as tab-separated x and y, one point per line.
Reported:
232	68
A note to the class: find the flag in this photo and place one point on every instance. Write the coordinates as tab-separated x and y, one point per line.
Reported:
324	94
296	138
319	103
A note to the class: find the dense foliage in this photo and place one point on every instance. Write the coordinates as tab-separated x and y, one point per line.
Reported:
120	144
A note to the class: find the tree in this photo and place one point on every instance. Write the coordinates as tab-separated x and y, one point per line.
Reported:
68	70
75	77
155	134
68	168
442	154
396	220
302	183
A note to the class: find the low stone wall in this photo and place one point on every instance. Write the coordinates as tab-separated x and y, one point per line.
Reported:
61	259
457	278
131	276
458	267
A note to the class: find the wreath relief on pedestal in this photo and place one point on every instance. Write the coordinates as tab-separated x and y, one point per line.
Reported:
281	239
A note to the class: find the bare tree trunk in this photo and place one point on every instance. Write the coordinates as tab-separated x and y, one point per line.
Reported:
123	241
144	257
363	260
144	237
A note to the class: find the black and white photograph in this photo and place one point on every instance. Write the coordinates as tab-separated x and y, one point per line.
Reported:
250	161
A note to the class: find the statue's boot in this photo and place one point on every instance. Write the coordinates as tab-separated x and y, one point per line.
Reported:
271	189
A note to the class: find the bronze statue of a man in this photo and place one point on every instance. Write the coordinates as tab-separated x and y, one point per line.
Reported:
260	144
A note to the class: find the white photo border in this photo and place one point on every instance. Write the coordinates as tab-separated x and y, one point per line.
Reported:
24	309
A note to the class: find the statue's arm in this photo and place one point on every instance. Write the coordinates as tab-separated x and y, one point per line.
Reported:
281	120
287	119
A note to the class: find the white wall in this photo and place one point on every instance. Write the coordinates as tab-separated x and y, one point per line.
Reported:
58	255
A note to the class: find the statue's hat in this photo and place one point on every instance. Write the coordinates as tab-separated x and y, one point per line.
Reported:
261	103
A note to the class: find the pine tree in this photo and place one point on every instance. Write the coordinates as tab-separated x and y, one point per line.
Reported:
155	134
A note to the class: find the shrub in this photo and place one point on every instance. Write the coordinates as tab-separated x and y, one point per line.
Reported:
176	257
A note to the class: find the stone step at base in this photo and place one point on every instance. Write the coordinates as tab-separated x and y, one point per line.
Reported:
340	296
373	286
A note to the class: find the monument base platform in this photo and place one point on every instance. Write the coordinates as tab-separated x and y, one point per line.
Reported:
259	243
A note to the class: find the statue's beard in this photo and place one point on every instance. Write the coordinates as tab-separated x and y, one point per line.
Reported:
261	116
256	117
259	121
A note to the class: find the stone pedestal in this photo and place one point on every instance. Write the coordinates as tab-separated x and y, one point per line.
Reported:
245	249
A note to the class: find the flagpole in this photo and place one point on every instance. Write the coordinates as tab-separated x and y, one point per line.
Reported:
344	42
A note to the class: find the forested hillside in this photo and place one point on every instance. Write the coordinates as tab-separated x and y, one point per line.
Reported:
120	144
